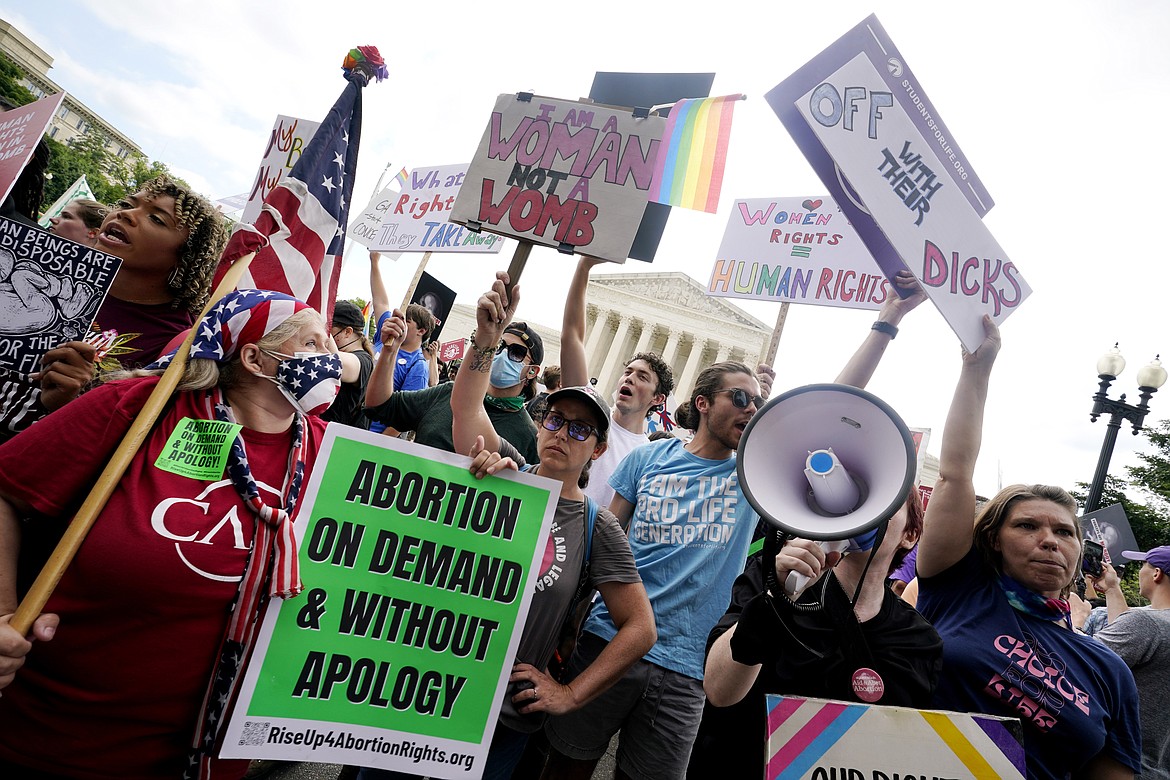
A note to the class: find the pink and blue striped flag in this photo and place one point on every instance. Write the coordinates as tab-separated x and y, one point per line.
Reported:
689	168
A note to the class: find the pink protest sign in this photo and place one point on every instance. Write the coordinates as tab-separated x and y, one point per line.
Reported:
20	129
450	350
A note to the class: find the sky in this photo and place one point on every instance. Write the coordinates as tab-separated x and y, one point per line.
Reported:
1060	107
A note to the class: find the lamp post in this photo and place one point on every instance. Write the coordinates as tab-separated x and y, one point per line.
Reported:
1150	378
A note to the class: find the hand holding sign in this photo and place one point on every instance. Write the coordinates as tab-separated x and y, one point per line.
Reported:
66	370
393	330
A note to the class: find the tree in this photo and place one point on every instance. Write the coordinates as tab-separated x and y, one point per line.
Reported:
10	87
1150	521
1153	476
110	179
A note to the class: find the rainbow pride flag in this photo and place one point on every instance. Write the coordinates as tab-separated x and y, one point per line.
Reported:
401	179
689	168
367	310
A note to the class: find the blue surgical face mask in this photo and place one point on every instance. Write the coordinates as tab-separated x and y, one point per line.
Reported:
505	371
864	542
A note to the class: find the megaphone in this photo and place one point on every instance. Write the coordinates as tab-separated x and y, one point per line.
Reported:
826	462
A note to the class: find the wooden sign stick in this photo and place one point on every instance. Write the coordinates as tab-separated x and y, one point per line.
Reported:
38	595
418	272
774	343
519	260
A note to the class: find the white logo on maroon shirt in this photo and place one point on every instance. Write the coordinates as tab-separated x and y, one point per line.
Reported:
198	525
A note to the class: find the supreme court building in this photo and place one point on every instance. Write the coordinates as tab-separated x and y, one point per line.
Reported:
669	313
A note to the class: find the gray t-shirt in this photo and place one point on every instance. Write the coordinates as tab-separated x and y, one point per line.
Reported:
1142	638
610	560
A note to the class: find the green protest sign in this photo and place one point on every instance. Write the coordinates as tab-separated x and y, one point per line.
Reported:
198	448
418	579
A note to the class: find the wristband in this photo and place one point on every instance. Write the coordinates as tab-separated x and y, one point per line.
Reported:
481	357
886	328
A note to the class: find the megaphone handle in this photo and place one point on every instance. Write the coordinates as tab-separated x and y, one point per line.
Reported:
795	583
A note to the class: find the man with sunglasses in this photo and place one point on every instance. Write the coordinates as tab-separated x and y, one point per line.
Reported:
689	530
515	364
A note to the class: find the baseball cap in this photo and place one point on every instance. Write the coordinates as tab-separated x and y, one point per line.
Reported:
530	338
346	314
1158	557
586	393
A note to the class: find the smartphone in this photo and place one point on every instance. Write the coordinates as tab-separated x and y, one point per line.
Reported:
1093	554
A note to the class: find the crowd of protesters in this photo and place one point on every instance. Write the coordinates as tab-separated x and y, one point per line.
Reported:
128	671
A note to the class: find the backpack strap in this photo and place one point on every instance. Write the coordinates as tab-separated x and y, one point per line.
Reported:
583	581
590	522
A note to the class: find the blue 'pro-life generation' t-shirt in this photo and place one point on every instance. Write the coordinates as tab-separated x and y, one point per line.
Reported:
690	534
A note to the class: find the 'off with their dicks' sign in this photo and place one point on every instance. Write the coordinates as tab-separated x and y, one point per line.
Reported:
900	177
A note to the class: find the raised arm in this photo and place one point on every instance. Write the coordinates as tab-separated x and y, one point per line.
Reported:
431	353
1109	584
574	363
381	384
493	312
860	368
379	299
946	536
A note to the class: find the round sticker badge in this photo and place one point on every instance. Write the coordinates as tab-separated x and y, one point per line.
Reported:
868	685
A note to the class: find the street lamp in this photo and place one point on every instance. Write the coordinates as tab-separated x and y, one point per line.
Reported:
1150	378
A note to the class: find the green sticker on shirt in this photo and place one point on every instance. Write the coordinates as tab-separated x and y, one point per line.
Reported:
198	448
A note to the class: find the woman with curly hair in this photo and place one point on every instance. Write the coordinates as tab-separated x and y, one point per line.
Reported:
169	239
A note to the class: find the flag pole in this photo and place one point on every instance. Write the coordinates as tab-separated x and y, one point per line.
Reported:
38	595
349	242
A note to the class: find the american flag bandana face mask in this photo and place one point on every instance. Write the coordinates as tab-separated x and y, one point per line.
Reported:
309	380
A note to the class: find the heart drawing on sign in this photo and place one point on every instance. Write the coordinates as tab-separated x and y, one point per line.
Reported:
812	205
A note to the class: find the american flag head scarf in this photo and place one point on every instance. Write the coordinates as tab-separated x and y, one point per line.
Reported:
245	317
240	317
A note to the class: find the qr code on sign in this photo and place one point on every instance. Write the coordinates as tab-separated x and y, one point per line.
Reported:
255	732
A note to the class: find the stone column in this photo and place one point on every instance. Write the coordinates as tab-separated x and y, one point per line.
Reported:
600	325
671	350
685	382
613	359
645	336
723	353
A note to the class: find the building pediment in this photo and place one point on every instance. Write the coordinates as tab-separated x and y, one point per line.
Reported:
677	290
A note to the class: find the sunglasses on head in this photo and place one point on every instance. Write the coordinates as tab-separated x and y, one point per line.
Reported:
516	352
554	421
741	398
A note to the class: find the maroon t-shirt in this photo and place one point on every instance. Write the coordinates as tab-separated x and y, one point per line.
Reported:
144	604
143	330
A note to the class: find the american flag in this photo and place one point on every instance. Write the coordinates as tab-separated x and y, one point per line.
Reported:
300	233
